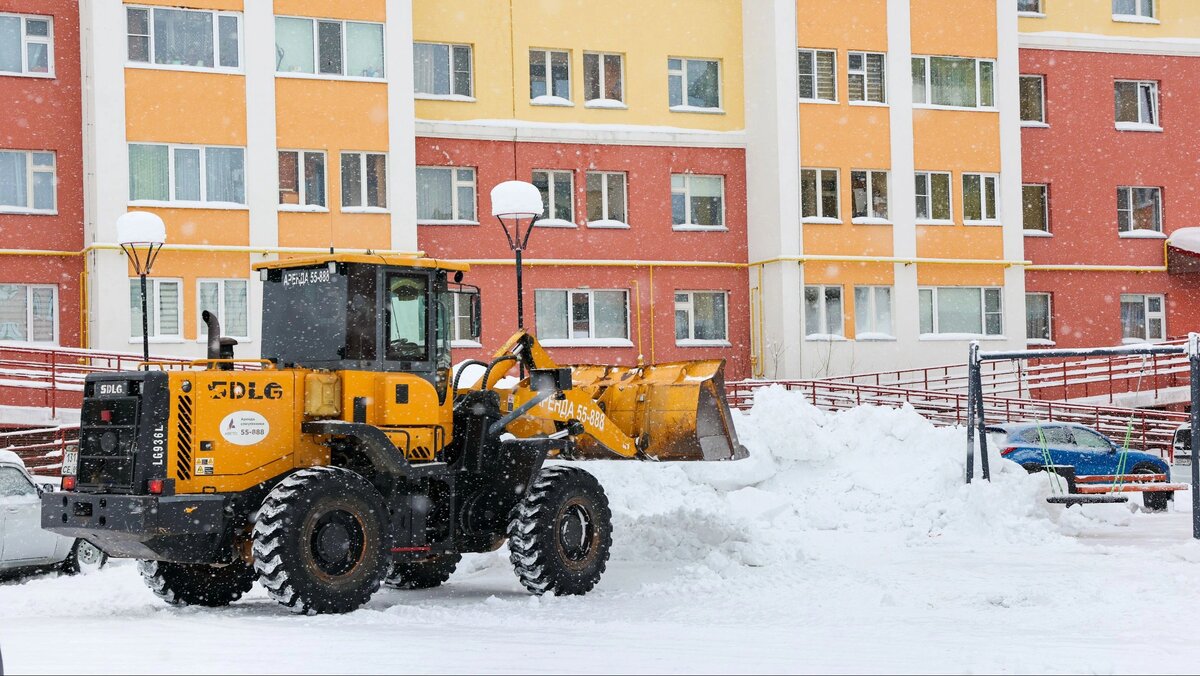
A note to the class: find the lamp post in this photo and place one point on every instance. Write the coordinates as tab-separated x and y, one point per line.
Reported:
517	201
141	235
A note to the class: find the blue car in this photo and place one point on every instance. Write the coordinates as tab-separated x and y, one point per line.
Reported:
1090	452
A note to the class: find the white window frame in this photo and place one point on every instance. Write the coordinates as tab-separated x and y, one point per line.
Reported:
689	223
221	282
27	39
550	98
30	171
203	202
866	79
1130	232
985	217
821	216
1153	125
1041	80
1032	232
216	27
874	332
458	311
978	85
825	333
603	102
152	286
813	53
554	197
929	198
871	218
1140	15
689	306
452	95
318	75
29	289
682	74
362	188
303	205
605	207
1038	13
455	184
571	340
983	312
1049	338
1161	315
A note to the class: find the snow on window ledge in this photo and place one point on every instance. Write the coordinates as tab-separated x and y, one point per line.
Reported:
554	223
820	102
449	221
330	76
821	221
1040	342
929	221
545	100
692	227
586	342
1140	342
1032	15
870	104
304	208
870	220
935	337
983	223
610	224
826	338
159	340
873	337
220	206
968	109
43	76
1138	126
697	109
444	97
1141	234
1034	124
364	210
1036	233
27	212
1134	18
605	103
185	68
692	342
466	344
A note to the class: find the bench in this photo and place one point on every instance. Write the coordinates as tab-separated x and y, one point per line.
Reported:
1090	489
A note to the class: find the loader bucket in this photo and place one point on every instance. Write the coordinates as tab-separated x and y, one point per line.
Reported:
675	411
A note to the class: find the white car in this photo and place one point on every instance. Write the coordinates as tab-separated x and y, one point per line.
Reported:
23	543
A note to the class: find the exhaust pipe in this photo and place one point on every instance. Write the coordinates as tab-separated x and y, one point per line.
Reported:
218	346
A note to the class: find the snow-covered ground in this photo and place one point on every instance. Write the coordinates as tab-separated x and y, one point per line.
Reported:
846	543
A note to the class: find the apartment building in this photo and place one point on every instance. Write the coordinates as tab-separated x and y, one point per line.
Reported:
884	165
629	117
1108	94
41	173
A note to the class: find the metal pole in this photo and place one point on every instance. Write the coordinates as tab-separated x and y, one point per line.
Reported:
981	420
520	296
1194	363
145	322
972	366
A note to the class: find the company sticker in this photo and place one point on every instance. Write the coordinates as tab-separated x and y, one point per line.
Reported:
244	428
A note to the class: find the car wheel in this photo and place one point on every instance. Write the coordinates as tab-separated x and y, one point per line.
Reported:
85	557
1156	501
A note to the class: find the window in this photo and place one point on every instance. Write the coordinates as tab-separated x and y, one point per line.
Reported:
301	179
979	198
1037	318
1035	207
163	304
953	81
818	75
462	321
869	193
697	201
693	84
1033	99
582	315
961	310
873	312
550	77
442	70
603	79
364	181
700	317
27	182
823	312
404	306
606	204
558	194
28	313
328	47
1029	6
1143	9
1139	209
1088	439
26	45
189	174
445	194
866	77
933	197
1137	105
183	37
14	484
819	194
1143	318
227	299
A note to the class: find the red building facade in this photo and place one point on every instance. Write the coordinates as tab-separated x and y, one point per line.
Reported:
41	172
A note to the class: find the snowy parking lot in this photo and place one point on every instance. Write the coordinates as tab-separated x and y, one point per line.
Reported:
846	543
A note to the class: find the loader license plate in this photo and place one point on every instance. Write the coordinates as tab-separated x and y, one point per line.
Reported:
70	462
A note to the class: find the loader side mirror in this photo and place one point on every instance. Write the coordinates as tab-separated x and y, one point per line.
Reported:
550	380
476	316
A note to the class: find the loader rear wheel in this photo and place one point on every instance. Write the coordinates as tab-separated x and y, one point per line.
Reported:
423	573
318	541
183	584
561	532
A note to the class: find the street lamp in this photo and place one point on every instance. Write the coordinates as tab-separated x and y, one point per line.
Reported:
517	201
141	235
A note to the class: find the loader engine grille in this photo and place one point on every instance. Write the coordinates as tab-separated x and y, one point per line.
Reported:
183	447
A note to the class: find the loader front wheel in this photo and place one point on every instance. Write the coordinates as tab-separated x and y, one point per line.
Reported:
423	573
318	541
561	532
183	584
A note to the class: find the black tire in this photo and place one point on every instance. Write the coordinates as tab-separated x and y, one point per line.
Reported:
198	584
422	573
84	557
1155	501
319	541
561	533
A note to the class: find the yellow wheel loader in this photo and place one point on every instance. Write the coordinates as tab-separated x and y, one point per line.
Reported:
351	456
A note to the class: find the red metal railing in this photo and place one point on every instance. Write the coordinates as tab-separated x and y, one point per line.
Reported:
41	449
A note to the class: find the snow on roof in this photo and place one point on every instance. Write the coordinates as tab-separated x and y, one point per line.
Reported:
10	457
516	199
140	227
1187	239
